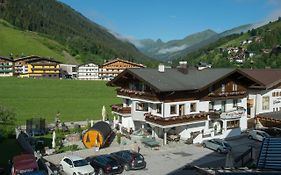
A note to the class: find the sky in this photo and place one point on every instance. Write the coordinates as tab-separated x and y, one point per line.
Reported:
174	19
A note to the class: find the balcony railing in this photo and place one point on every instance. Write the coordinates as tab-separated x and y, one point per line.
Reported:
177	119
233	114
227	94
134	93
120	109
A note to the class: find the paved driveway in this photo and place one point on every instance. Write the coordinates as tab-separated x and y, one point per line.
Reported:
173	158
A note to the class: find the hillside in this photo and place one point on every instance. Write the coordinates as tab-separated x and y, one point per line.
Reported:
168	50
19	43
84	39
256	48
74	99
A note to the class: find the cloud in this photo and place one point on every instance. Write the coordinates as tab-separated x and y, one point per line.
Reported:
130	39
172	49
273	16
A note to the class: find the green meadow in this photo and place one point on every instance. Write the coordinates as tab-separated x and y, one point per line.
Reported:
75	100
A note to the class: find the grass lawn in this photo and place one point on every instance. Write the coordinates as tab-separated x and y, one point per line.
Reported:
75	100
9	148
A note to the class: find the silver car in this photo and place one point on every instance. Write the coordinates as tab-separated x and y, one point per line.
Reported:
218	145
258	135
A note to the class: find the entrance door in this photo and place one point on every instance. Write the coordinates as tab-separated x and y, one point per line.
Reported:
181	110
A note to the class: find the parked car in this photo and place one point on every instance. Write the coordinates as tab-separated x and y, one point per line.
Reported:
24	163
105	164
258	135
74	165
272	131
130	160
218	145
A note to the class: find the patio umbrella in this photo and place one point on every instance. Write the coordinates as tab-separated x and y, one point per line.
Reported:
103	113
114	121
54	140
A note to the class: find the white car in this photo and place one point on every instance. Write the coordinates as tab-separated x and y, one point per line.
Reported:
74	165
258	135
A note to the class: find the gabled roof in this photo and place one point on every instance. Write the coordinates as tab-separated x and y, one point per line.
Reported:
174	80
267	77
5	58
125	61
33	58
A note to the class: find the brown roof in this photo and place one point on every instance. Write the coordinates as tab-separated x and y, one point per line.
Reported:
266	77
35	58
5	58
125	61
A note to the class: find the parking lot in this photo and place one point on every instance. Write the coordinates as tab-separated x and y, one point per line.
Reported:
174	157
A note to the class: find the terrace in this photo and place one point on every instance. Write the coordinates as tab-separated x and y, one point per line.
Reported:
177	119
134	93
118	108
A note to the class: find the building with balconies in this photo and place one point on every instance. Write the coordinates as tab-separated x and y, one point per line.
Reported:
112	68
6	67
88	71
36	67
195	104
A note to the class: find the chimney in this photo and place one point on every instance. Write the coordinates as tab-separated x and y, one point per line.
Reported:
161	68
183	67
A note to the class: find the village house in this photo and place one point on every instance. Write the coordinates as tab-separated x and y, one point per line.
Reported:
195	104
36	67
88	71
6	67
111	69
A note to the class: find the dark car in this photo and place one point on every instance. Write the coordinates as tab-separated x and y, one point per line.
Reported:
130	159
105	164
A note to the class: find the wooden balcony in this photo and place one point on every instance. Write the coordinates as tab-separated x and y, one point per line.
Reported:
177	119
118	108
231	94
136	94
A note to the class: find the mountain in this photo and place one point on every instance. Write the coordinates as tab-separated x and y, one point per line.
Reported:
22	43
256	48
165	50
84	39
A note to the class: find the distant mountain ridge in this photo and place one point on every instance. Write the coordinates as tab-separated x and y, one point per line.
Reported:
163	50
257	48
84	39
178	48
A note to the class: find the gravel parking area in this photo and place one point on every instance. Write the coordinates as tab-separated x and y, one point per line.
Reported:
172	158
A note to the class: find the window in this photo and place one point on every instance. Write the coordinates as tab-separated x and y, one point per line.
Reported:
173	109
273	94
265	103
211	105
233	124
68	161
159	108
235	103
193	107
222	87
141	107
234	87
